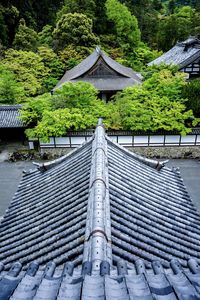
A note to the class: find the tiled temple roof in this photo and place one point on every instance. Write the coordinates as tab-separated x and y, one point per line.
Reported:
67	282
9	116
182	54
126	224
126	76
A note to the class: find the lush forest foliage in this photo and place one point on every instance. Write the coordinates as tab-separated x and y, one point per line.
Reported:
40	40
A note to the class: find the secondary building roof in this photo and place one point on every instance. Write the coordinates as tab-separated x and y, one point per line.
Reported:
103	72
182	54
126	224
9	116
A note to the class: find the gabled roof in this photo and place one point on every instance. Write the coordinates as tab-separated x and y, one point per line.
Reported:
100	203
182	54
126	224
77	73
9	116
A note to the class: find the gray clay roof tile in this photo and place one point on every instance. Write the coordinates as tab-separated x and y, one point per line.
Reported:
9	116
126	76
182	54
100	223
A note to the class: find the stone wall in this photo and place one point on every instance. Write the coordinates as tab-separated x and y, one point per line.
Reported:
168	152
152	152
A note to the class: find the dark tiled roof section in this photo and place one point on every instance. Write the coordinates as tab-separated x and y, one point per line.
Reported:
182	54
89	62
109	84
9	116
100	203
68	282
152	216
47	216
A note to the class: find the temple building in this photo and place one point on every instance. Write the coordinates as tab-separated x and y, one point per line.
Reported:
100	223
186	55
107	75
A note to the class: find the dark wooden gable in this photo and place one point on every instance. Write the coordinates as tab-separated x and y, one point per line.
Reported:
193	69
101	69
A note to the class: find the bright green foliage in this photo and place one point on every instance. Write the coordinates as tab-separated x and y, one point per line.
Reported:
34	108
150	70
11	91
72	56
166	84
26	38
79	95
126	25
53	63
28	68
157	104
141	56
45	36
71	107
57	123
191	91
74	29
140	109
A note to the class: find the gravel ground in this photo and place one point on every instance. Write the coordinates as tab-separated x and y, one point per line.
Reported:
190	172
11	173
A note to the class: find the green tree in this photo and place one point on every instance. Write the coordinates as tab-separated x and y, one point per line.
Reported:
32	111
73	106
57	123
142	55
26	38
70	56
11	91
45	37
36	13
10	22
157	104
166	83
86	7
53	64
125	24
3	28
78	95
74	29
28	69
191	91
177	27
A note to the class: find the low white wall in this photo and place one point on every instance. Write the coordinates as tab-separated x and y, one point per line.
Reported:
128	141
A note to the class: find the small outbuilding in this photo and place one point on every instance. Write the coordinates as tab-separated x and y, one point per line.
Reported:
107	75
186	55
11	126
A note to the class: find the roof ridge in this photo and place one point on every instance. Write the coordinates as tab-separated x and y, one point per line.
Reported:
158	165
14	107
97	247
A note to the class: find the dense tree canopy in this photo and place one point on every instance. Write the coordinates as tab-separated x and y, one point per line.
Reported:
74	29
25	38
156	105
39	40
11	91
125	24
